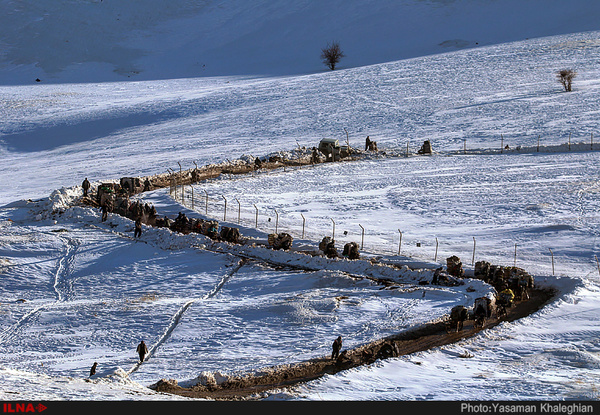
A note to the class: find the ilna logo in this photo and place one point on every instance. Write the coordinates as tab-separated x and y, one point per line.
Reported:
22	407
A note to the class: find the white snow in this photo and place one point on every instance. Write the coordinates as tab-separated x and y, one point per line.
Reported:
126	99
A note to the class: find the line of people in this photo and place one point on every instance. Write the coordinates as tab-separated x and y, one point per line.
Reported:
141	350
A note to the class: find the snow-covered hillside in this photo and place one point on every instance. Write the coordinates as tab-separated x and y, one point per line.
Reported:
475	97
75	290
60	41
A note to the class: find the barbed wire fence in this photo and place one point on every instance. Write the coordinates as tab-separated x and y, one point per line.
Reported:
268	220
184	189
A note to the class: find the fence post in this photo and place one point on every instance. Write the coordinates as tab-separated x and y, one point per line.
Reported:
224	210
473	260
206	203
436	250
333	232
239	209
552	255
400	243
195	173
181	181
256	220
171	181
362	240
276	220
303	222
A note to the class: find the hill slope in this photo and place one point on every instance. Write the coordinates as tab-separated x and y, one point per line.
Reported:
106	40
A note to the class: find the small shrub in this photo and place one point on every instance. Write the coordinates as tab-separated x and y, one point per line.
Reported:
565	77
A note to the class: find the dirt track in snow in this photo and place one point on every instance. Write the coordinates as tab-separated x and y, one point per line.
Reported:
252	386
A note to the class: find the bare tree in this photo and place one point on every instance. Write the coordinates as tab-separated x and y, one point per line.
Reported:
565	77
331	55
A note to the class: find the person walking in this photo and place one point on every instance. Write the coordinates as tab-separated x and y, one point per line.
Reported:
86	187
142	350
138	228
336	346
104	212
93	369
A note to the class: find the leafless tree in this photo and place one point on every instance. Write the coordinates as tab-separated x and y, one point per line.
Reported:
331	55
565	77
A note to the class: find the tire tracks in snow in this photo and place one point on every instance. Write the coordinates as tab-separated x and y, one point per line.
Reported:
177	317
62	285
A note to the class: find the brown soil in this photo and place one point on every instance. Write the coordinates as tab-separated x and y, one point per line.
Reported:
431	335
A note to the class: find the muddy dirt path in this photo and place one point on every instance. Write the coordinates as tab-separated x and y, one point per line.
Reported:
253	386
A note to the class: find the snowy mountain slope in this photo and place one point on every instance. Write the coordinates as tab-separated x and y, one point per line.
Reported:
76	290
73	131
96	40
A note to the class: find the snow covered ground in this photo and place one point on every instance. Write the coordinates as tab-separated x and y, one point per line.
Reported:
76	290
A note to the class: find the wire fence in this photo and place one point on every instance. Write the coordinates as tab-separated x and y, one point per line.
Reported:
379	242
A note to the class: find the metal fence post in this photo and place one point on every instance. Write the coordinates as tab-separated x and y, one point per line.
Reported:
181	182
206	203
400	243
362	241
256	220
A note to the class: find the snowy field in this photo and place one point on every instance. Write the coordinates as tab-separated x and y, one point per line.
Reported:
76	290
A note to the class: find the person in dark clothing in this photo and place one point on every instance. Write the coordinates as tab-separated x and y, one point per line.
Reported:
147	185
142	350
104	212
367	143
138	228
337	346
86	187
93	369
